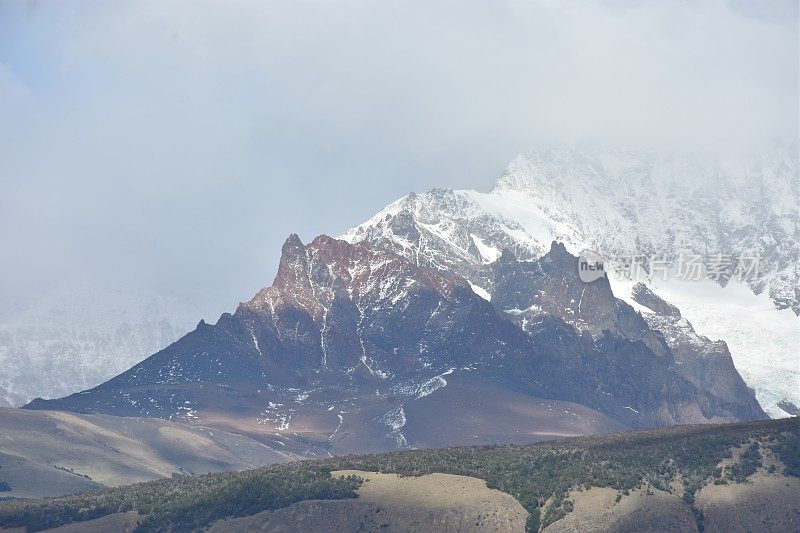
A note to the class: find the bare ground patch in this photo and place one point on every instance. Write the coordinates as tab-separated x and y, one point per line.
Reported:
388	502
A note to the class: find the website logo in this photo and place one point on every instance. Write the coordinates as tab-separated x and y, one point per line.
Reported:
591	266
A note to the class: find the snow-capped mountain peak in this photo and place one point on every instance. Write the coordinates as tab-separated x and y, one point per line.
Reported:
624	205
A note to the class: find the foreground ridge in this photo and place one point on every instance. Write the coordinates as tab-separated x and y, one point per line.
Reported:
684	466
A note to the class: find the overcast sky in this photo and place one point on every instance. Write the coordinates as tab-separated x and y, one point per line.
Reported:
176	144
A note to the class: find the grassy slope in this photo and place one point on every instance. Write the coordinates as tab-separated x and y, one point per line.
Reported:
531	473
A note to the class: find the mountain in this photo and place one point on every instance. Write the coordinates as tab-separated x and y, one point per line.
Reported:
741	477
76	335
624	205
356	349
73	336
621	204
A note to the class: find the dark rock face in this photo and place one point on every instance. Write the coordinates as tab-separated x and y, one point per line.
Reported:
347	324
707	364
643	295
552	285
642	362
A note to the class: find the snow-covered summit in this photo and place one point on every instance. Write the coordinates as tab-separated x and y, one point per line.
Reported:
621	204
624	204
447	230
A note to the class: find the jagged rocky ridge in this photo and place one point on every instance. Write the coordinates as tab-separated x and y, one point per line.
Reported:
707	364
525	291
352	332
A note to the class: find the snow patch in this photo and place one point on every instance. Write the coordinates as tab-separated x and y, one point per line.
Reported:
489	254
396	420
480	291
431	386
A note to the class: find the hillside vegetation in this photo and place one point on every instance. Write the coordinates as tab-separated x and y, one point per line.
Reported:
539	476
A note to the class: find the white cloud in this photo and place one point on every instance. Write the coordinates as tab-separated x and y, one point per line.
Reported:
181	141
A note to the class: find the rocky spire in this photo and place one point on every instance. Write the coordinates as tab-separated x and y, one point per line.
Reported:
293	267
